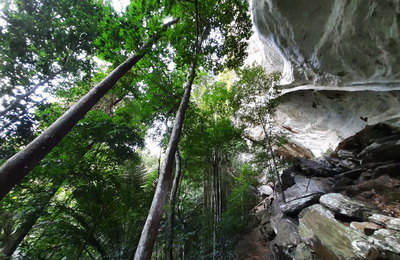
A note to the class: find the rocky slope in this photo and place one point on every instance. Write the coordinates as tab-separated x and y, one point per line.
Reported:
343	206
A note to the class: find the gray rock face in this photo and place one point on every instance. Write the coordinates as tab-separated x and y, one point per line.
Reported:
329	238
264	54
346	206
391	169
320	120
293	207
265	190
388	240
381	151
367	228
333	42
338	61
305	186
287	237
311	168
304	252
389	222
287	178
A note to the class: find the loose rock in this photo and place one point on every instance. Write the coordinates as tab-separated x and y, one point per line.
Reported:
311	168
347	207
293	207
325	235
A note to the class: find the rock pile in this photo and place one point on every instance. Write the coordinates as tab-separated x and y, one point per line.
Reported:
342	206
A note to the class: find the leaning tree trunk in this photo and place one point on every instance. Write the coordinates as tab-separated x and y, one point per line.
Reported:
17	167
172	202
150	229
30	220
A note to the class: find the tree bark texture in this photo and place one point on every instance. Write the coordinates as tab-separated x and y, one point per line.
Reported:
150	229
17	167
172	202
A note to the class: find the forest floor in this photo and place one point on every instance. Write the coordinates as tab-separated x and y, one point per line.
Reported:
253	247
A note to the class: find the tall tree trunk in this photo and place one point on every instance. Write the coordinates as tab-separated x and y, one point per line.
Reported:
150	229
172	202
30	220
18	166
216	202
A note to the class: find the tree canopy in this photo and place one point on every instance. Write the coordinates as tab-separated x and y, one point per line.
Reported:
158	62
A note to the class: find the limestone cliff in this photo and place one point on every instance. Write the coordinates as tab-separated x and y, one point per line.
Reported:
340	63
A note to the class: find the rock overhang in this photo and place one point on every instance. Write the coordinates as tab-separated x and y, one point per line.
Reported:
350	44
325	47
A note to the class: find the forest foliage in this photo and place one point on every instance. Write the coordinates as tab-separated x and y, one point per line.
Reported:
90	196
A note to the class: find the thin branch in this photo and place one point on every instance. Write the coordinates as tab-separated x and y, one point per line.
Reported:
19	98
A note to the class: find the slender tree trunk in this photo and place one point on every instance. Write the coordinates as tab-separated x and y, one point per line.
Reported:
172	202
30	220
150	230
207	191
271	152
18	166
216	204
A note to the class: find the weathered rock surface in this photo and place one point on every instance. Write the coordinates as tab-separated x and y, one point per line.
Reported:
287	178
392	169
389	222
340	68
365	224
311	168
347	207
320	120
333	42
368	228
331	239
265	190
287	237
328	237
304	252
381	150
304	186
339	62
388	240
294	206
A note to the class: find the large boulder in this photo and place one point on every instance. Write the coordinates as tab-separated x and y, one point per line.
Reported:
349	208
294	206
329	238
311	168
325	235
287	237
304	186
